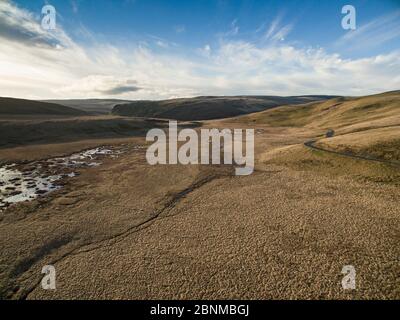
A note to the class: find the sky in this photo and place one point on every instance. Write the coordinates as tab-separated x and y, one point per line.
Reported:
159	49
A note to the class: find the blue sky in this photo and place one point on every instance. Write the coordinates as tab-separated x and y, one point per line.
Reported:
196	23
220	46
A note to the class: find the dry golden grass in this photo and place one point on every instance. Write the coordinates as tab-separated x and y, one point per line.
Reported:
128	230
366	126
382	143
340	113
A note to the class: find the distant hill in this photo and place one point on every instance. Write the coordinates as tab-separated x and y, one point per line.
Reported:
66	129
17	107
92	106
207	108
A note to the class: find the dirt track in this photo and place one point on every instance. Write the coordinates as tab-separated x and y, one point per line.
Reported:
311	145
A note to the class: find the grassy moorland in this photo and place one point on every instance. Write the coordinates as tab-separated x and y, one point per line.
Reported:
366	126
128	230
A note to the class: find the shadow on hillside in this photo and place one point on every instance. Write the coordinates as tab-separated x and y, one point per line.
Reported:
21	133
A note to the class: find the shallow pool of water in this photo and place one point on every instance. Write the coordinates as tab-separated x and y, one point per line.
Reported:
19	183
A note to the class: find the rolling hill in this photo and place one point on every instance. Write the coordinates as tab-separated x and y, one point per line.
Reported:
365	126
59	130
342	114
18	107
207	108
92	106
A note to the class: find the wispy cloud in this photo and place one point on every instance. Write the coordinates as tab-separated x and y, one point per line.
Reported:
37	64
233	30
162	43
273	27
277	31
22	26
373	33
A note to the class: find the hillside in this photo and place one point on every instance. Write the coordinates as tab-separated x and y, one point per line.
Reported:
45	131
92	106
345	114
365	126
18	107
207	108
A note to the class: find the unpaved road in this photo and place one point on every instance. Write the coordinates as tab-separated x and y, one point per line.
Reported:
311	144
127	230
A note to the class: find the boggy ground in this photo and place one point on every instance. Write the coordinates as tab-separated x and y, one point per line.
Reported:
127	230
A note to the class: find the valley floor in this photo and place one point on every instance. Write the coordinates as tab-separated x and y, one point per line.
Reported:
127	230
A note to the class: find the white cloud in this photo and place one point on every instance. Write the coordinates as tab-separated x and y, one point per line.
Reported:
35	64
